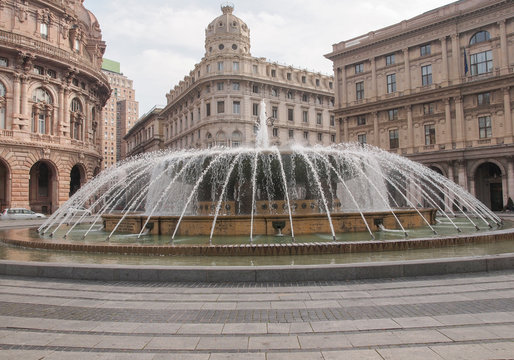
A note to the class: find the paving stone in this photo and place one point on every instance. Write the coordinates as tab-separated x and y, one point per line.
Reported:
223	343
173	343
123	342
412	353
200	329
470	333
294	356
320	341
273	342
242	328
238	356
464	352
352	355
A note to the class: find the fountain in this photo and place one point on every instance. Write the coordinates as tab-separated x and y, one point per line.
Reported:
265	190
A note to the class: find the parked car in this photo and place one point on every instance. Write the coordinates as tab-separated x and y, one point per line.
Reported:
20	213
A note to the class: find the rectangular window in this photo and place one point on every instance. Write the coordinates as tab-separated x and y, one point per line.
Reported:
484	127
255	89
424	50
428	108
235	86
394	142
320	137
273	73
305	116
317	82
235	66
221	107
359	68
390	59
392	114
208	109
361	120
484	98
291	133
330	84
391	83
332	120
481	63
333	138
274	92
290	114
4	61
42	123
43	30
426	75
306	135
77	45
2	118
304	79
208	68
39	70
318	118
275	132
220	86
255	109
220	65
429	134
274	112
359	90
255	69
236	107
361	139
288	76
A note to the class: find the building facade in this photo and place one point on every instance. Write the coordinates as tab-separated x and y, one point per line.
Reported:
436	88
147	133
51	97
218	102
120	113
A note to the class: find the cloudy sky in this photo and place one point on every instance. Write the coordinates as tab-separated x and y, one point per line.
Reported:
158	42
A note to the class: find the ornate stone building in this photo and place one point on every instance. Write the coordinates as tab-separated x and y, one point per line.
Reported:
218	102
51	96
437	88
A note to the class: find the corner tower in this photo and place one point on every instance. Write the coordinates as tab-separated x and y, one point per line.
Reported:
227	34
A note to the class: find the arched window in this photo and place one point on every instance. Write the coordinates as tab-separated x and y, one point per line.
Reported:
236	139
209	140
221	139
40	95
42	111
2	106
479	37
76	119
76	106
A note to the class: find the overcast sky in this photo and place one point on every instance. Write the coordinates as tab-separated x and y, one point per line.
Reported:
158	42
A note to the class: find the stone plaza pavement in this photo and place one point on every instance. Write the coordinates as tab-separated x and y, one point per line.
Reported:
466	316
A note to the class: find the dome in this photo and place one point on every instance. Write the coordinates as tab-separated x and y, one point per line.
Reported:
227	34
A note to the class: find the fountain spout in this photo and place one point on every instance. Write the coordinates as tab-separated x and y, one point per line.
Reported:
261	138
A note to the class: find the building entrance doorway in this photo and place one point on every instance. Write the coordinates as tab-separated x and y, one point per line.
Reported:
488	186
43	187
77	178
5	185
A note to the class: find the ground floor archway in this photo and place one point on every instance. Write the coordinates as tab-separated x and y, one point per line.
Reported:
5	186
77	178
488	185
43	190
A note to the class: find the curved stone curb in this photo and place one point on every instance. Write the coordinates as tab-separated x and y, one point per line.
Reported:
17	238
288	273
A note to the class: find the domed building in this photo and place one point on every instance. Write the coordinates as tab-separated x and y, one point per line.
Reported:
51	95
218	102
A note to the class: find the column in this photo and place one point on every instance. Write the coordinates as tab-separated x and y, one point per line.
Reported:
345	128
462	175
410	130
337	88
376	140
507	114
344	90
451	177
444	74
23	105
16	102
373	79
510	178
456	59
60	116
448	122
504	65
408	85
66	113
460	133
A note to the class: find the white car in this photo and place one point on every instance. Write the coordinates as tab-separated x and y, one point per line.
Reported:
20	213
